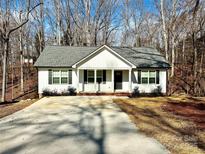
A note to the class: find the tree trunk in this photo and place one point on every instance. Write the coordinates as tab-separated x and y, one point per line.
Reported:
21	53
195	63
87	5
58	28
5	55
41	26
164	29
173	58
22	75
201	64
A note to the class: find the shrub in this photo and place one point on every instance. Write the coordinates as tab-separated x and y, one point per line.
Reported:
48	92
157	91
69	92
136	92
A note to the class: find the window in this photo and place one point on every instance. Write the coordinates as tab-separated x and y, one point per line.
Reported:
152	77
64	77
90	76
144	76
148	77
60	77
56	77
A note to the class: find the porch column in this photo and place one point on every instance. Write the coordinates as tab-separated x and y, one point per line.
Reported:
113	80
78	75
95	76
130	80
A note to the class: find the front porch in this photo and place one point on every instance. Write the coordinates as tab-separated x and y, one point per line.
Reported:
104	81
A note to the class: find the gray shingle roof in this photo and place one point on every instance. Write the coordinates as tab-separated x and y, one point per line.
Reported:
66	56
143	57
62	56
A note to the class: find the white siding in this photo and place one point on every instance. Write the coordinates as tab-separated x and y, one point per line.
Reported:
104	87
148	88
43	81
105	60
125	81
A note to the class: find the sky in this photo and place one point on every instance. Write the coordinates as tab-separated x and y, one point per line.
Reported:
149	5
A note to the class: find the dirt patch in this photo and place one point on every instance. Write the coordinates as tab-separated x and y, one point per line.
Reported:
12	107
173	121
193	111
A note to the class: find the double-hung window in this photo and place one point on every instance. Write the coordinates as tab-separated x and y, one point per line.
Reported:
64	77
56	77
148	77
60	77
90	76
152	77
144	77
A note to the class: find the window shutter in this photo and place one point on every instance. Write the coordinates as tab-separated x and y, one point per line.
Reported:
139	77
49	76
70	76
157	77
85	76
104	76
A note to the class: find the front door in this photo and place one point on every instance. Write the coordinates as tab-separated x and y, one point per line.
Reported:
118	80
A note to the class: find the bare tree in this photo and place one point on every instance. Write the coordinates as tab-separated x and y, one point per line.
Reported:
6	29
165	32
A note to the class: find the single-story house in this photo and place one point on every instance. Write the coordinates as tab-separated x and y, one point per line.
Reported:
101	69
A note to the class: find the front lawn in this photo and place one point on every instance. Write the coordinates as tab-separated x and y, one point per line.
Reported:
176	122
9	108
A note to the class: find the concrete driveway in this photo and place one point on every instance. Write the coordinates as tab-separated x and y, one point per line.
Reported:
74	125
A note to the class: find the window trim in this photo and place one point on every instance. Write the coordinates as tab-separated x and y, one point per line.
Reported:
148	78
93	76
64	77
145	77
155	78
56	77
60	76
102	77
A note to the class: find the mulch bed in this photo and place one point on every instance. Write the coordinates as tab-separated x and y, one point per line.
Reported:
193	111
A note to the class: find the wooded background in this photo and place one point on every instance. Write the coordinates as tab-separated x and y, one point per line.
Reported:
175	27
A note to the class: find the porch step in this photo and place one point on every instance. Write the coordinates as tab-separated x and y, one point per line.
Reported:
104	94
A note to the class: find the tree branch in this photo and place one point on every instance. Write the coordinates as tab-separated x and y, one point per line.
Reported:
25	21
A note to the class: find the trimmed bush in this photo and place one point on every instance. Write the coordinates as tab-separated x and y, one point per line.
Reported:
157	91
136	92
69	92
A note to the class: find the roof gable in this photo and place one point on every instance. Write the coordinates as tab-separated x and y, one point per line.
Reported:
104	59
99	50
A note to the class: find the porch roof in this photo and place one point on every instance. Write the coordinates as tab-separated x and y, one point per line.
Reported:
66	56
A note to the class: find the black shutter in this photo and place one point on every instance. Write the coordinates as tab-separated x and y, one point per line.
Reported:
49	76
70	77
157	77
85	76
104	76
139	77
